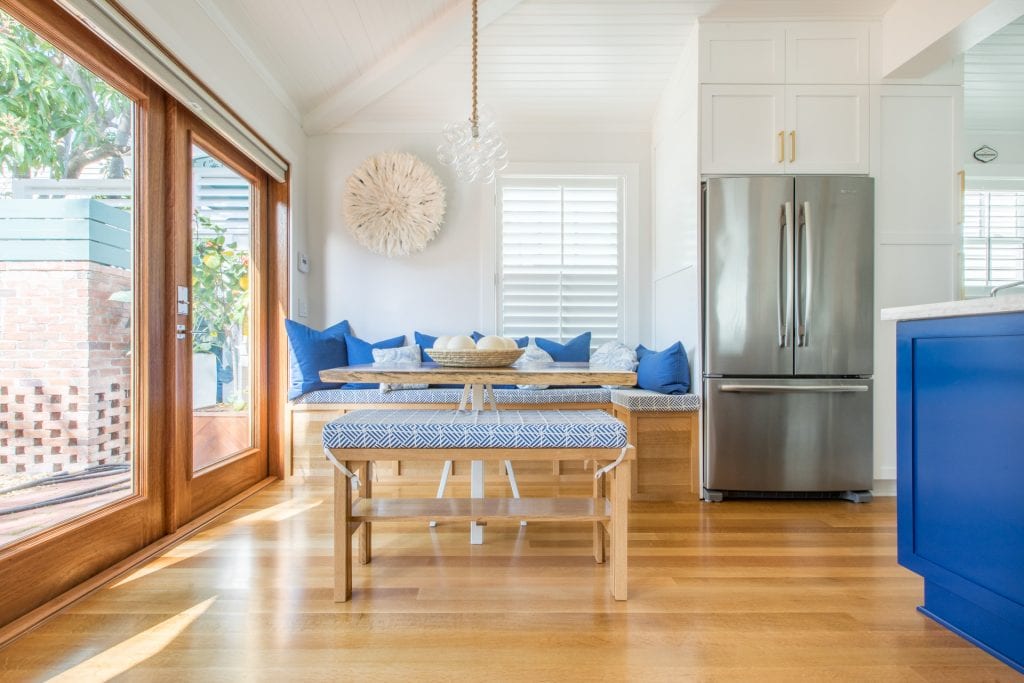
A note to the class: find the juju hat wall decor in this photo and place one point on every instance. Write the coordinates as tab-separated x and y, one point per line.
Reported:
394	204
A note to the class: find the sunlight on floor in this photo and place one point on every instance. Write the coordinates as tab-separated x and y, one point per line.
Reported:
118	659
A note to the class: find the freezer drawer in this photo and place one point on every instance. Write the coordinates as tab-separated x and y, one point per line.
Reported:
788	435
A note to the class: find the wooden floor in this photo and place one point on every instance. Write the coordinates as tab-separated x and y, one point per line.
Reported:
744	591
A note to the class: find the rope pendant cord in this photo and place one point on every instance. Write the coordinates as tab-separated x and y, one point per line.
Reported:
474	117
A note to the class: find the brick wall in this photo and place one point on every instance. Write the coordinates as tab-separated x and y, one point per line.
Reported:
64	366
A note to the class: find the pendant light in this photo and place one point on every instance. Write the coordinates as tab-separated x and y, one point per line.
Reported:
474	148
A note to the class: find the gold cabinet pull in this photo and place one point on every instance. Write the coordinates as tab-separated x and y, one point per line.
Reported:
792	146
782	146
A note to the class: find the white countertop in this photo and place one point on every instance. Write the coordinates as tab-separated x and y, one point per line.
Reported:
1008	303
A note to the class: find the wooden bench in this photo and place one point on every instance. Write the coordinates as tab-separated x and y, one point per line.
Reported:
354	441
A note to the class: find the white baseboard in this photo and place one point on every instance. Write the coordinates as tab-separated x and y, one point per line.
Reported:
884	487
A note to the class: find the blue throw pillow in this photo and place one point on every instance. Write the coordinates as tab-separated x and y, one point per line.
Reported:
310	352
667	372
521	342
361	353
573	351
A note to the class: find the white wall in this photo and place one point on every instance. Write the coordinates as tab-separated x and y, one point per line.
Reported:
676	212
440	290
187	31
1009	144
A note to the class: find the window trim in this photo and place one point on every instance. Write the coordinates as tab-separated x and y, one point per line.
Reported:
490	257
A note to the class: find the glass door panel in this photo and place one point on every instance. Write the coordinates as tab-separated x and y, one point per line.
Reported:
222	221
67	284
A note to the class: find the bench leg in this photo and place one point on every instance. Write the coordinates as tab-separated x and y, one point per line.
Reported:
512	482
342	539
476	490
365	531
598	526
620	485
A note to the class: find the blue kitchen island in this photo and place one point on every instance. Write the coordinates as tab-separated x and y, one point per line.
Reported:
960	470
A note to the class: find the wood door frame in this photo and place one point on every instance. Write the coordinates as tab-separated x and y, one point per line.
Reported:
192	493
48	571
36	569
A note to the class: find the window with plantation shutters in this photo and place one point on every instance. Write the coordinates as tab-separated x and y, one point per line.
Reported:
993	239
560	257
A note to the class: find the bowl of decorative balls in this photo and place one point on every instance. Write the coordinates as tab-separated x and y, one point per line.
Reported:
462	352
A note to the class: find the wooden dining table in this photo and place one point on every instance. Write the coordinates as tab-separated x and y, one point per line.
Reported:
478	391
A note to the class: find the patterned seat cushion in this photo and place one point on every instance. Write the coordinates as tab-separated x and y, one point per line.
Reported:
504	396
385	428
641	400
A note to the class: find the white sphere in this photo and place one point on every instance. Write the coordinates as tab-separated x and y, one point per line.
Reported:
441	343
461	343
492	343
510	343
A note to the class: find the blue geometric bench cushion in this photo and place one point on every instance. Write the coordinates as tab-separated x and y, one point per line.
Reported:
643	400
503	396
487	429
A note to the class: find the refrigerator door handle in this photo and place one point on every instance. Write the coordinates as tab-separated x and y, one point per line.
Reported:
803	388
785	293
805	266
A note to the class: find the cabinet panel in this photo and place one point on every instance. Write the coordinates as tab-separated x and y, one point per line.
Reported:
740	128
830	123
827	53
742	53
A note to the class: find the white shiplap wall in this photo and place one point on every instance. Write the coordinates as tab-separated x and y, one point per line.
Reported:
994	82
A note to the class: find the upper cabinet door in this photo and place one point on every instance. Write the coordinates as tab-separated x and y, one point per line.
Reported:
742	53
742	128
827	129
821	52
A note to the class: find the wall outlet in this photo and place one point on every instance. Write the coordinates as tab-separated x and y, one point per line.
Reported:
303	307
303	264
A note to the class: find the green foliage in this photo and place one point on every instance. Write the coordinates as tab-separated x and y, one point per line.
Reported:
220	287
55	114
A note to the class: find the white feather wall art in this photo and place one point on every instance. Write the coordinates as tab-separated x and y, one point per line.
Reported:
394	204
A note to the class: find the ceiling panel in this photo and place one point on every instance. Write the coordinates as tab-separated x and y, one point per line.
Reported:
553	63
994	81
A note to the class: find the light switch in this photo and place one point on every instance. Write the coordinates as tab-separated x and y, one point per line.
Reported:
303	263
303	307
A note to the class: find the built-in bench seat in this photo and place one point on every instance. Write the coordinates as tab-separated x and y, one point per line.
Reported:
662	427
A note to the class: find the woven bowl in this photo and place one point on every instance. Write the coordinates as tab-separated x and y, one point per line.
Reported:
476	358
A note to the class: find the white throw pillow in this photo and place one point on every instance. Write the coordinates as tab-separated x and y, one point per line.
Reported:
533	355
403	355
614	355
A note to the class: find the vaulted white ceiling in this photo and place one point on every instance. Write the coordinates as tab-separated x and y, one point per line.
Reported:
386	64
994	81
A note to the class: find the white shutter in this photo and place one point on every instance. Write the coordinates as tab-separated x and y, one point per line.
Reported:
560	257
993	237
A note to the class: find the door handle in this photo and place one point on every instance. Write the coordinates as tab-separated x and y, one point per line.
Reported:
794	389
792	146
785	293
805	263
782	146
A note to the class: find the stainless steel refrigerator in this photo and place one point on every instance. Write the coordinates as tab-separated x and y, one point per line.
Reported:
788	335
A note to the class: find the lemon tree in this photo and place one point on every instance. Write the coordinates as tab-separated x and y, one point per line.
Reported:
220	287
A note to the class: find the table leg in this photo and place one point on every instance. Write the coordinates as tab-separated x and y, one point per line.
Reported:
620	485
365	491
476	468
342	538
598	526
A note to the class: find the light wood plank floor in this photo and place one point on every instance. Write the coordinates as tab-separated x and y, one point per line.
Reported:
744	591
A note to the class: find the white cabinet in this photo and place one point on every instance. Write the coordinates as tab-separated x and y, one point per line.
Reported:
784	129
742	128
742	53
796	52
823	52
827	128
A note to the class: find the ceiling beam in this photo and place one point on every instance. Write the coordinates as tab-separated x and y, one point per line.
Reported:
919	36
419	51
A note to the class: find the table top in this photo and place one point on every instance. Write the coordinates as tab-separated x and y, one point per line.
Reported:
988	305
432	373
